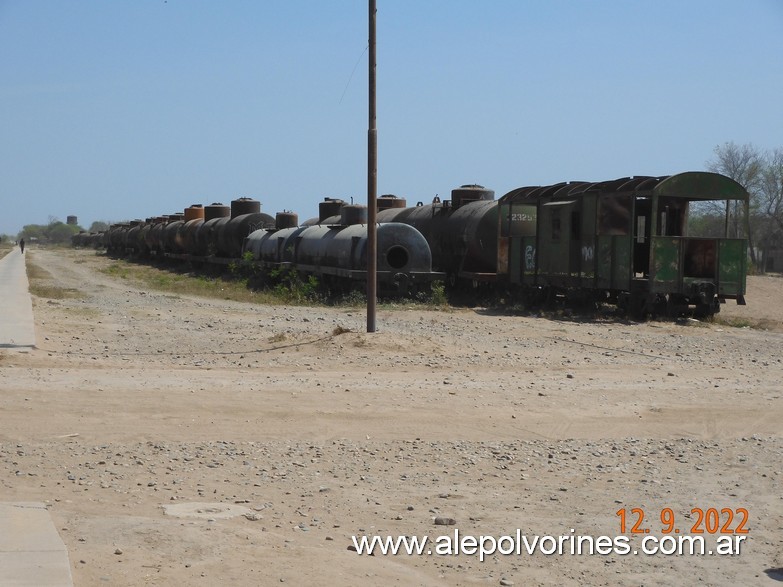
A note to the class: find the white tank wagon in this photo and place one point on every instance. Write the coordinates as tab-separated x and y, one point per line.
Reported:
338	252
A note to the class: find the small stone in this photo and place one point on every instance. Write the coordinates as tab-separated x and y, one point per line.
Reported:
506	582
117	551
442	521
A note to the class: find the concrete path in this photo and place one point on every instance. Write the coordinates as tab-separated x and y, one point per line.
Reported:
17	327
32	554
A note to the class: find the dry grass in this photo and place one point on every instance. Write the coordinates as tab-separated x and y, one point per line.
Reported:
42	284
754	323
178	281
5	248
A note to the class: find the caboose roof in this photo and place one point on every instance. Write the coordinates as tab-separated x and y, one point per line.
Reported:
690	185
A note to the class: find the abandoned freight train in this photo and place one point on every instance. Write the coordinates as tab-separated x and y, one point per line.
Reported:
623	241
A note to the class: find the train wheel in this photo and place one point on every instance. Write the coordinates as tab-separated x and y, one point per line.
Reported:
706	310
639	309
676	306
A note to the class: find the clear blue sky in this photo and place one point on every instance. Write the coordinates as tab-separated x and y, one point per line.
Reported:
121	109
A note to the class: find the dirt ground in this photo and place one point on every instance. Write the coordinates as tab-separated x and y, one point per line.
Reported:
315	431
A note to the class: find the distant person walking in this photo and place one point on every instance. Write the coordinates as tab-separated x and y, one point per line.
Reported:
21	245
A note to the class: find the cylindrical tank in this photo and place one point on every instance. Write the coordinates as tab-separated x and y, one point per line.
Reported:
193	212
187	234
387	201
429	220
254	241
78	239
461	238
470	193
72	220
401	248
171	243
205	234
216	210
117	234
144	248
469	242
155	235
133	236
242	206
353	214
329	207
286	220
231	235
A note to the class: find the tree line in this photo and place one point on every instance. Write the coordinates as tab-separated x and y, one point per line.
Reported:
55	232
761	173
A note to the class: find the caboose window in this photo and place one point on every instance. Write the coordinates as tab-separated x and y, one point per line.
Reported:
556	226
576	225
641	223
555	211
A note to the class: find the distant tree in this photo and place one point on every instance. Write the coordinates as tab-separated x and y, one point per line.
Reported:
98	226
744	164
771	188
707	223
761	173
59	232
55	232
31	232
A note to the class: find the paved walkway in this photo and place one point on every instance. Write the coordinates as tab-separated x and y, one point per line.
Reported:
32	554
17	328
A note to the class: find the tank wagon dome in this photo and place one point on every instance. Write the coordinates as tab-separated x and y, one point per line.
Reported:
351	214
216	210
242	206
193	212
286	219
328	212
329	207
390	201
470	193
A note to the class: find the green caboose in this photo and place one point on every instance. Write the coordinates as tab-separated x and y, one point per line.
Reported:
624	241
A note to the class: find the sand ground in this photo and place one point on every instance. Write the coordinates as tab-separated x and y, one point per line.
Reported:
136	401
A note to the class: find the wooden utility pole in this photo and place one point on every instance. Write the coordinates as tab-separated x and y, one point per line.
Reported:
372	186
